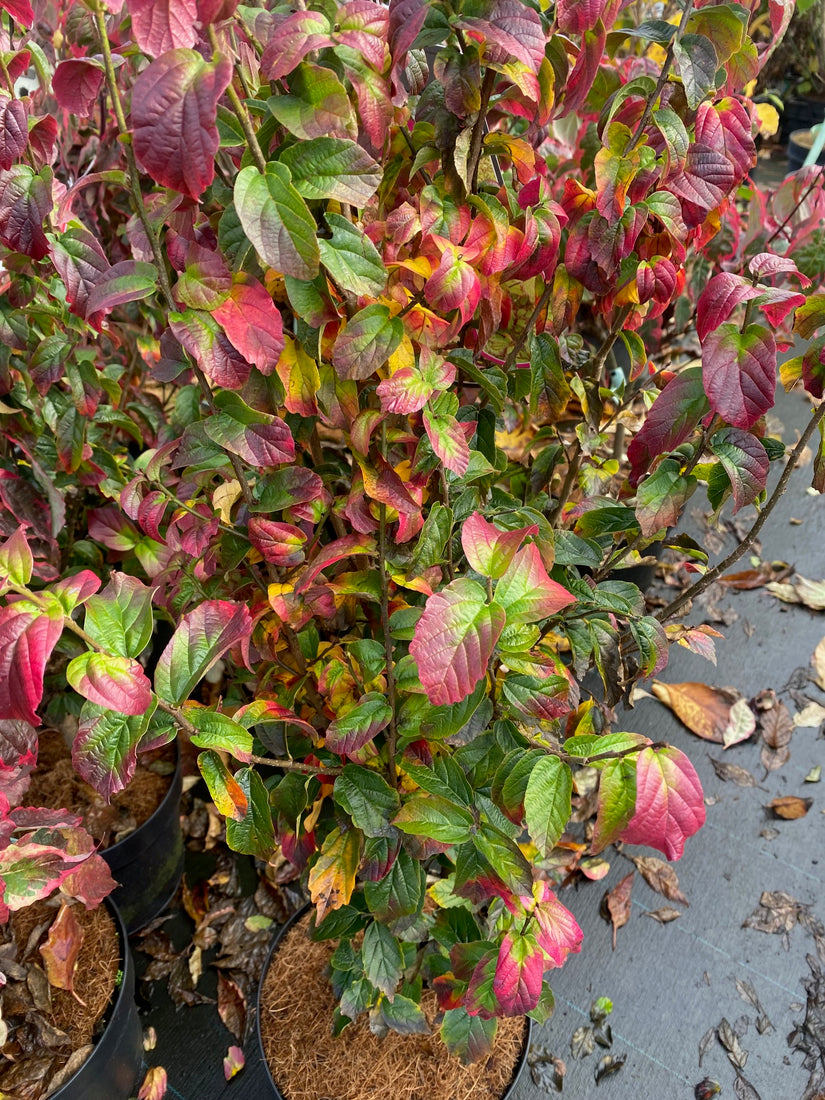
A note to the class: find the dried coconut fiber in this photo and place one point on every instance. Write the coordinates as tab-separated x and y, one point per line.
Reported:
308	1063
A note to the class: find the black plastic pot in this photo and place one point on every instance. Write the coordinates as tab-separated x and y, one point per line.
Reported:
800	114
111	1070
799	145
282	931
148	863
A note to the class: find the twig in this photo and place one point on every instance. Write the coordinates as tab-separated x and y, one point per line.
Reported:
708	578
239	107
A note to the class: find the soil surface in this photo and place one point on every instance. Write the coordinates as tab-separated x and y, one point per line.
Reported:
56	785
308	1062
50	1032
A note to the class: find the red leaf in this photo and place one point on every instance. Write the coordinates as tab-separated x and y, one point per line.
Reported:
490	550
510	30
20	11
253	323
718	300
449	441
669	802
160	25
578	16
76	84
90	882
454	285
708	176
766	264
745	461
560	933
726	127
233	1062
349	733
519	974
117	683
174	109
14	130
454	640
278	543
27	639
335	551
739	373
201	338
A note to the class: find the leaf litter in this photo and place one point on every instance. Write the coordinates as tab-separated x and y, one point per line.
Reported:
616	904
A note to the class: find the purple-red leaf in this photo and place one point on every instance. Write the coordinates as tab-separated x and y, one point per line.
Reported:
526	592
27	639
745	461
253	323
670	420
291	39
454	640
25	202
202	338
104	752
278	543
739	373
76	84
718	300
14	130
118	683
511	29
669	802
20	11
174	110
707	178
490	550
161	25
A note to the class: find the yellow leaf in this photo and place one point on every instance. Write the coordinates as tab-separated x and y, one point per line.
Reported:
403	356
768	119
300	378
332	878
224	497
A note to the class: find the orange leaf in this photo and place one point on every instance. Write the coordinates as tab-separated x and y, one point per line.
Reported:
154	1084
332	878
790	807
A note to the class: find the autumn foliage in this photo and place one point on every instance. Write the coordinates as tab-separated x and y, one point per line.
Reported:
326	334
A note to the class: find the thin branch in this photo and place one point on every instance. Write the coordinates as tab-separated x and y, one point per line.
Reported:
512	354
239	107
474	155
392	731
708	578
660	83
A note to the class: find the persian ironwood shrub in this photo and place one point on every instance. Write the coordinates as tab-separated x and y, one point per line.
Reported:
310	325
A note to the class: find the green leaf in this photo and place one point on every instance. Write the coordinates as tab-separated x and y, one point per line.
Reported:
400	893
16	561
254	833
383	962
547	805
617	801
504	857
332	168
444	778
661	497
371	714
352	259
217	731
432	541
316	104
511	779
367	342
593	744
104	752
546	1006
467	1037
201	639
404	1016
698	65
120	617
368	799
277	221
434	817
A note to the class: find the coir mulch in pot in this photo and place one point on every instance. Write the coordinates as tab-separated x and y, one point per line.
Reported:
49	1032
309	1063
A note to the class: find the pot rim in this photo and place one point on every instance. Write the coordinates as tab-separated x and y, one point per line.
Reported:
172	795
273	947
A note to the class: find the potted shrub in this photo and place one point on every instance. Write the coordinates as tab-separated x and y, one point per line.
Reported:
337	404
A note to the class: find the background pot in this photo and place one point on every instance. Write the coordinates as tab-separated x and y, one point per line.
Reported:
799	145
148	863
282	931
111	1070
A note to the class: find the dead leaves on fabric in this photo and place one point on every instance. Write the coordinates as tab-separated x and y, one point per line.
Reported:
721	715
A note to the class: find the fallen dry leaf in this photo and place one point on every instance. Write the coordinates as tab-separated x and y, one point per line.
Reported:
790	807
730	1041
818	661
814	775
233	1063
733	773
231	1006
154	1084
777	730
664	915
800	590
61	949
706	711
617	902
810	717
610	1064
778	912
582	1041
744	1090
660	877
150	1039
